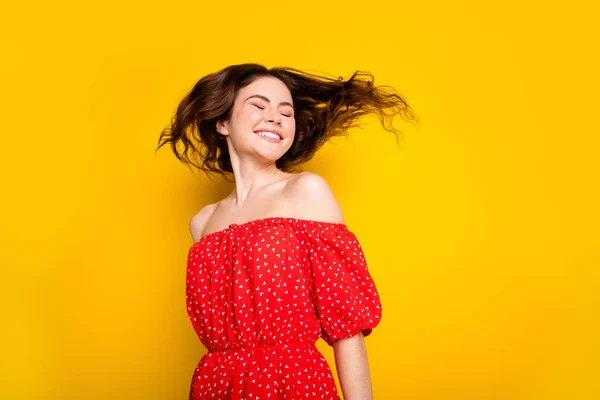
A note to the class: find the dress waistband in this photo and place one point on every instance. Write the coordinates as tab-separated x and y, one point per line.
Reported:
239	347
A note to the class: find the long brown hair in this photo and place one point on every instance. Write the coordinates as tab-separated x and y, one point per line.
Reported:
324	108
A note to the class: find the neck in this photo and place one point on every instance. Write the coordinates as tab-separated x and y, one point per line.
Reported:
251	176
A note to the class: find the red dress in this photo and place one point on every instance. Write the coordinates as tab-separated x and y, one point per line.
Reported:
260	294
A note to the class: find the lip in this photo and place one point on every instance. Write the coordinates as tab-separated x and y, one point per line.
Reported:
270	130
269	139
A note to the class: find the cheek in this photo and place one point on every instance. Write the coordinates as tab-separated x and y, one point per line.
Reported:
254	116
290	124
245	118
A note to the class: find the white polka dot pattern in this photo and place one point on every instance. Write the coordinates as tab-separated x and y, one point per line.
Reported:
261	293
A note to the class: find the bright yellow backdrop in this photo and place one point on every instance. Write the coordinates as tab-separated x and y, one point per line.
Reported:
481	229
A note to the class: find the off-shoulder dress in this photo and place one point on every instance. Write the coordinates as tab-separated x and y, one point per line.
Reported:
260	294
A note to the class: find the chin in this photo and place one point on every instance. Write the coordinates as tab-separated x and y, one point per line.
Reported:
269	155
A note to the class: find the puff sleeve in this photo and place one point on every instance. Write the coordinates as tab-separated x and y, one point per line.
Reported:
344	294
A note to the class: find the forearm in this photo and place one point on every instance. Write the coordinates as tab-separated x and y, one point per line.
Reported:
353	368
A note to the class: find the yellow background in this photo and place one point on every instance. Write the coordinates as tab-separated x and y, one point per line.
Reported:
480	229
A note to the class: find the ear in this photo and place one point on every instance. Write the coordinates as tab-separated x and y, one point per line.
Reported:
222	128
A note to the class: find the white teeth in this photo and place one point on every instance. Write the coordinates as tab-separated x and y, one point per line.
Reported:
268	134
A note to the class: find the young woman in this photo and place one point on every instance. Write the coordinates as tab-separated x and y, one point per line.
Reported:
273	266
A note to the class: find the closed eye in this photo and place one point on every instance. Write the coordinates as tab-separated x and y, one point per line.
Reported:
289	113
262	108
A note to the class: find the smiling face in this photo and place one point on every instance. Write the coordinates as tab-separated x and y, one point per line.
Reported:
262	120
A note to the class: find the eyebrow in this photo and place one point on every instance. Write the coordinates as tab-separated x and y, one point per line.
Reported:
283	103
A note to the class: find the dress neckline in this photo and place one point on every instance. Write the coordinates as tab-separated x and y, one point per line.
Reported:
270	219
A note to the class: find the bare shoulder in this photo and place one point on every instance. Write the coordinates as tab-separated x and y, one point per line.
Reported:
314	199
199	220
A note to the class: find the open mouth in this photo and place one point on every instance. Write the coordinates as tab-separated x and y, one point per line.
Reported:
269	135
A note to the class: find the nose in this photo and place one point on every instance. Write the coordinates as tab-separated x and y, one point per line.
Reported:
273	116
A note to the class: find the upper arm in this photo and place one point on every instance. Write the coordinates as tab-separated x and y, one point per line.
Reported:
314	199
199	220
